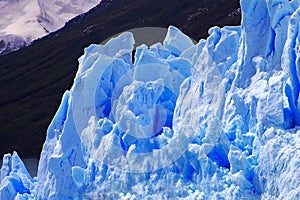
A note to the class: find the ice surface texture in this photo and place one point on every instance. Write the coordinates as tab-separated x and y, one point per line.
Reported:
215	120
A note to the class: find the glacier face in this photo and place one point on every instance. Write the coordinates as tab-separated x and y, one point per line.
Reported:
214	120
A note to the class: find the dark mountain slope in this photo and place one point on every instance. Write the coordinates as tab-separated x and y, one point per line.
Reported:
33	79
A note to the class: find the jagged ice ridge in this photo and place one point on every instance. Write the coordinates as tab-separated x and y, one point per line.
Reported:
215	120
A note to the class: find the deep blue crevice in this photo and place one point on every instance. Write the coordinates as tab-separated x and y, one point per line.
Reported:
219	155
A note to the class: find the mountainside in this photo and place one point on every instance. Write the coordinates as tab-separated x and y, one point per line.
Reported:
214	119
23	21
33	79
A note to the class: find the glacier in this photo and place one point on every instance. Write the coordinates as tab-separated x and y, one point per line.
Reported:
214	120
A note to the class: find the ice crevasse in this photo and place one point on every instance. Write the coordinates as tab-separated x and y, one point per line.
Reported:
214	120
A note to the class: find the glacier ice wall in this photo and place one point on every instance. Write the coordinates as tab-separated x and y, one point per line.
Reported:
214	120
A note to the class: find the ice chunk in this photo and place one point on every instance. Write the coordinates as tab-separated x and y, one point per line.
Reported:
15	178
177	42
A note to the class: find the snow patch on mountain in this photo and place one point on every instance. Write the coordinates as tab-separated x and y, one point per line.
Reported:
23	21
